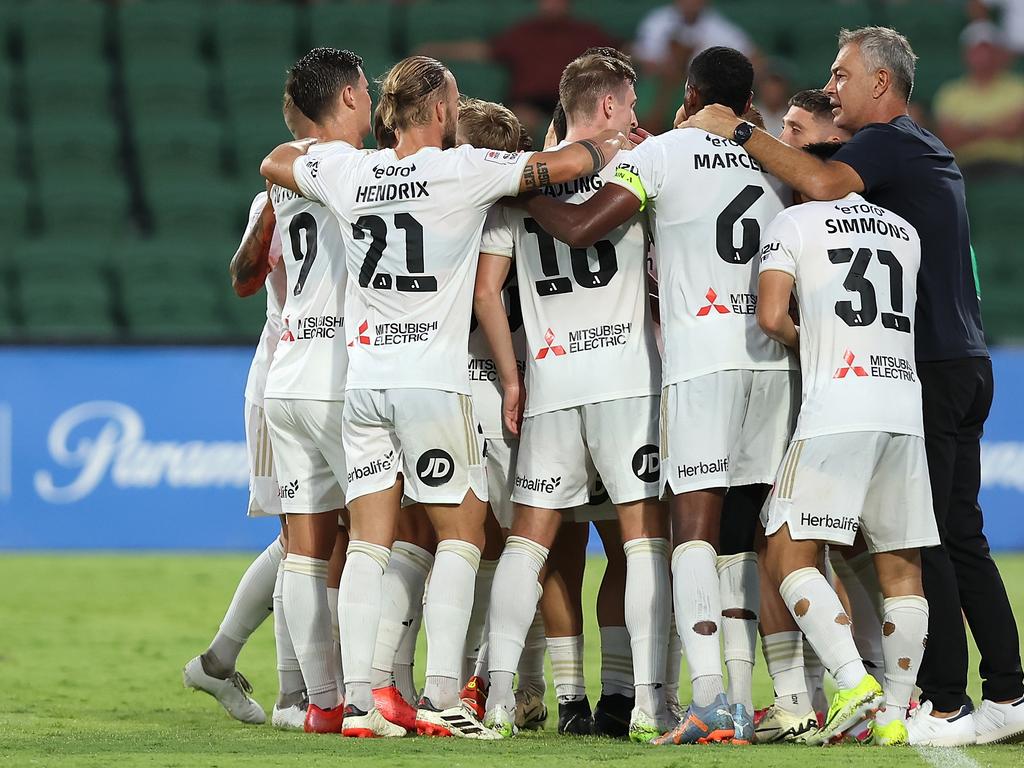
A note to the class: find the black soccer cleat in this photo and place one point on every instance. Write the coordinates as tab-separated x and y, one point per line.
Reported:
611	715
574	718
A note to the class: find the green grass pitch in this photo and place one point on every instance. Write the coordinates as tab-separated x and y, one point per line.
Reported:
91	650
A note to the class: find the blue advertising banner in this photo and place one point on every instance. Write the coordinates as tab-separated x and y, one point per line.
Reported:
110	448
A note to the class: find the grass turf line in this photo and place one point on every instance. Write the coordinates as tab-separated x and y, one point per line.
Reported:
91	650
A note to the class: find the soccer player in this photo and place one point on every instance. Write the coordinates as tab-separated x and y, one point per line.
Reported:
256	264
809	120
326	99
592	407
857	460
411	220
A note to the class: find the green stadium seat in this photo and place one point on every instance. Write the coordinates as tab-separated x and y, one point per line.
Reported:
368	28
96	208
253	139
174	88
167	303
62	299
180	148
271	29
62	30
200	208
245	317
164	29
68	89
78	149
8	149
196	254
618	18
481	80
14	202
460	20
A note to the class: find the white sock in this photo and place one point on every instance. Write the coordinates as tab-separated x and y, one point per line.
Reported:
512	609
309	623
741	599
531	661
820	616
648	604
814	677
252	602
674	661
865	596
617	662
402	586
289	675
406	657
476	635
784	654
698	607
446	612
332	603
359	603
905	629
567	667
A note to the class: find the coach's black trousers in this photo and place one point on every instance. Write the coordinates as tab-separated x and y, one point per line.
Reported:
960	574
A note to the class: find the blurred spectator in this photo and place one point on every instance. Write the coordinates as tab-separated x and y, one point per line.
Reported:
535	51
1010	14
771	96
981	115
667	40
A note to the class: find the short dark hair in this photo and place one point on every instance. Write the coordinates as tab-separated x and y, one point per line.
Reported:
722	76
823	150
315	80
558	120
815	101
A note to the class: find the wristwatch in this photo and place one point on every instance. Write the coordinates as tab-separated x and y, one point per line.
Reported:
742	133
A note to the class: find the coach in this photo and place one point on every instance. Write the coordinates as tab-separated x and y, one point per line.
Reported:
900	166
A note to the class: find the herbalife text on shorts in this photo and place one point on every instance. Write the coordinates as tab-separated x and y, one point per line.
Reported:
824	521
700	468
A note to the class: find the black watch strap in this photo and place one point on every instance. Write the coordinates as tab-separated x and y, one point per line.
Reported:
742	133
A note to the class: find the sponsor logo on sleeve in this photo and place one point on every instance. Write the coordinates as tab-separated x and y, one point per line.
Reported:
502	158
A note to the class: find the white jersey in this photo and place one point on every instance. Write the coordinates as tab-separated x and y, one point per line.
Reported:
411	231
483	373
586	311
709	202
311	360
256	381
855	267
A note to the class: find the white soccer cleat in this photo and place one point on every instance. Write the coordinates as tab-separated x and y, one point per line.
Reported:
369	725
644	728
502	722
291	718
459	722
232	693
927	731
999	723
778	725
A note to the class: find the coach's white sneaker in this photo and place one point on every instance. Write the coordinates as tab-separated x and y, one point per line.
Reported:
927	731
999	723
232	693
290	718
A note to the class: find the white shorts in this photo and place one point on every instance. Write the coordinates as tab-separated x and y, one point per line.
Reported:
430	436
597	508
500	460
831	486
561	453
726	428
308	454
263	499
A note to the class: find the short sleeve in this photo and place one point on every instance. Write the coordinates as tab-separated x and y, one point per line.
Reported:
254	213
874	153
497	237
641	170
319	176
487	175
781	245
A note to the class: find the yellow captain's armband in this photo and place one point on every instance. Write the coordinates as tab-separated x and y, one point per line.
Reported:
627	174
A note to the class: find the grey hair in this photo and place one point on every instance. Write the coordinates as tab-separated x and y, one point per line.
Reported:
885	48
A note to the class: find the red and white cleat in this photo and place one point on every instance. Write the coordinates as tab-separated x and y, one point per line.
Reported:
459	722
369	725
323	720
394	708
474	695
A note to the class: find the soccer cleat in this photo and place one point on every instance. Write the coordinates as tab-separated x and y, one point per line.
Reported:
958	730
676	712
999	723
292	717
574	718
233	693
848	708
474	695
743	725
893	734
393	708
323	720
702	725
531	712
778	725
643	728
613	715
502	722
458	722
369	725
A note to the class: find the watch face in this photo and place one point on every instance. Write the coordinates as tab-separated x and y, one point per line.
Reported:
743	132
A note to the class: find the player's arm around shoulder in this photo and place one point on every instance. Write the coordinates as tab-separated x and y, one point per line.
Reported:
278	166
580	158
779	252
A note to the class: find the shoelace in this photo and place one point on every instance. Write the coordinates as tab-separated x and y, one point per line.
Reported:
238	680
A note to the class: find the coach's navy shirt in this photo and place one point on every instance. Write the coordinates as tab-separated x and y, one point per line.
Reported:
909	171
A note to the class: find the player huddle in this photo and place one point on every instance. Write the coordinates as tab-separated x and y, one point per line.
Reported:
473	351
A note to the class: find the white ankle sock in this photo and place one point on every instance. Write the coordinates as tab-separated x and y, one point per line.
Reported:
531	661
820	615
567	667
784	654
698	609
309	622
359	604
446	612
617	662
401	597
289	675
648	605
741	600
476	635
906	622
251	604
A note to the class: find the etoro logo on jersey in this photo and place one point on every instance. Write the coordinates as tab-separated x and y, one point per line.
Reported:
879	367
549	339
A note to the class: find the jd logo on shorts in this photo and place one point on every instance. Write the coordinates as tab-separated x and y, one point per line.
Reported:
435	467
646	463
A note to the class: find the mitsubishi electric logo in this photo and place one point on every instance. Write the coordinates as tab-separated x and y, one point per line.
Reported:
712	304
848	358
549	339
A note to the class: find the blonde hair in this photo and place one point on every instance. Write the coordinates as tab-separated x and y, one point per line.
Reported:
406	91
489	125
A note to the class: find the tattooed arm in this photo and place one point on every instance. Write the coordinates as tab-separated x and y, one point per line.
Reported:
251	263
581	158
